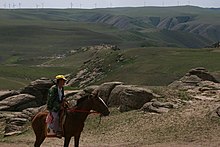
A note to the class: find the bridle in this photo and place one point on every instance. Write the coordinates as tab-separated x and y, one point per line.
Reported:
74	109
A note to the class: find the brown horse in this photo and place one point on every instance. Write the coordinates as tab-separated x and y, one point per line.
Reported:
74	122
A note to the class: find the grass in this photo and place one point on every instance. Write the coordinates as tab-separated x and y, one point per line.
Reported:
161	66
155	66
16	77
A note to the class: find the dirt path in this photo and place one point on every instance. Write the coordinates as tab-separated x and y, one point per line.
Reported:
52	144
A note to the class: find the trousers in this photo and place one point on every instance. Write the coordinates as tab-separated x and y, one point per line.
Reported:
55	125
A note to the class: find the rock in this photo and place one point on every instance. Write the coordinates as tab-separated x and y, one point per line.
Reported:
6	94
15	126
105	89
29	113
133	98
208	85
163	104
193	78
18	102
114	97
199	84
16	122
203	74
90	89
157	107
39	89
70	93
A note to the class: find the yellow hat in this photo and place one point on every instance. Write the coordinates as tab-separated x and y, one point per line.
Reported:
61	77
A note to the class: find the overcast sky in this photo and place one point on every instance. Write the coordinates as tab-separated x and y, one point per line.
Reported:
103	3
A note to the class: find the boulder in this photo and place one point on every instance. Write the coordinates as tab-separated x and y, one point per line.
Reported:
6	94
105	89
133	98
18	102
114	97
90	89
39	89
70	93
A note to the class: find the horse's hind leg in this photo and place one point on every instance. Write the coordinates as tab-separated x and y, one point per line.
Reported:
39	140
39	127
40	136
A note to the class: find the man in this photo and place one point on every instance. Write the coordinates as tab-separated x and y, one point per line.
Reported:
54	102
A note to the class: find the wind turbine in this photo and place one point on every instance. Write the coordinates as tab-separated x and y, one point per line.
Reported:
110	3
13	6
71	5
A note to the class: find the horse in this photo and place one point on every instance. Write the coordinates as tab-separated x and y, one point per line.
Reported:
74	122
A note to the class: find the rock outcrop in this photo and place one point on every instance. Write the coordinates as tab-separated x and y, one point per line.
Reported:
126	97
31	100
6	94
39	89
95	67
18	102
33	95
200	84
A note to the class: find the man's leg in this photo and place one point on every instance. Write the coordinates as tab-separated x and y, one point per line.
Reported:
55	124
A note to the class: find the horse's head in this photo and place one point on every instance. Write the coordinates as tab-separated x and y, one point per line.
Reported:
98	104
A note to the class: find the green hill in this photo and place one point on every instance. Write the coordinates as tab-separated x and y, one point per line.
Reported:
38	42
46	32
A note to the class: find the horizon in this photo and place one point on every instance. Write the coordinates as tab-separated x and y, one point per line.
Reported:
91	4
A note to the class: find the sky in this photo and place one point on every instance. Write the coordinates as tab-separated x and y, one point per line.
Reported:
103	3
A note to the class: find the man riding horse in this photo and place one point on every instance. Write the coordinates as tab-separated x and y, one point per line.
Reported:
54	104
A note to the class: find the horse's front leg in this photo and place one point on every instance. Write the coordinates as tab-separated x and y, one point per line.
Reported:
76	140
66	141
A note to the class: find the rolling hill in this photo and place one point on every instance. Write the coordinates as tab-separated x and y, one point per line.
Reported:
155	41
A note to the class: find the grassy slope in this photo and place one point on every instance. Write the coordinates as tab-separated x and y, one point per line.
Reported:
147	66
160	66
142	66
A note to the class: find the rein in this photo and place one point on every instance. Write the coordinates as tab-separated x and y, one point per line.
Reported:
82	111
